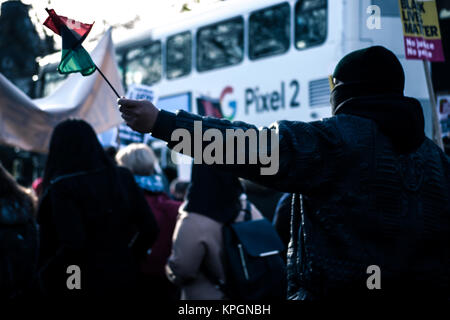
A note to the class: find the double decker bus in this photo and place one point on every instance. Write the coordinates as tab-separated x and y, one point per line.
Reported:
263	60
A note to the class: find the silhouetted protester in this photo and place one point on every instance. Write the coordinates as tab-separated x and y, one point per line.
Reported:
18	239
92	215
140	159
170	173
111	153
264	198
371	190
37	187
446	142
178	189
196	262
282	219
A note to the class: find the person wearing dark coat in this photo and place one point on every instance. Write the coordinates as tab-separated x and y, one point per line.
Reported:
371	212
91	215
18	240
196	263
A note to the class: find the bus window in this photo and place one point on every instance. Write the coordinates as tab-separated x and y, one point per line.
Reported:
269	31
179	55
144	64
52	80
220	44
388	8
310	23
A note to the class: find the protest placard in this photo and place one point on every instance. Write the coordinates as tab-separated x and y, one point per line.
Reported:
126	135
422	39
443	106
422	35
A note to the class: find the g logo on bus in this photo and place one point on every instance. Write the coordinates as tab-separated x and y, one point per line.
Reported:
224	98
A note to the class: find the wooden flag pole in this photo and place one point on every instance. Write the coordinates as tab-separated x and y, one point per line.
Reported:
437	136
107	81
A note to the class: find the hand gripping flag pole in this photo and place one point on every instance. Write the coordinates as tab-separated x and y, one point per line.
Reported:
74	57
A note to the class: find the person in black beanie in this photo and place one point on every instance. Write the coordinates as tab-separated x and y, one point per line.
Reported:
371	194
369	83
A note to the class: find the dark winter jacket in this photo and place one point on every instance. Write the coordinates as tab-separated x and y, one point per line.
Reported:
166	212
98	220
364	202
18	248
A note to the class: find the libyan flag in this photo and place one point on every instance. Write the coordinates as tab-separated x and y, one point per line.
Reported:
74	57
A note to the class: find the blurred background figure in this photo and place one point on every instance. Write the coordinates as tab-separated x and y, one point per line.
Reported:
178	189
36	186
111	153
93	215
213	199
141	160
282	220
263	198
18	239
446	142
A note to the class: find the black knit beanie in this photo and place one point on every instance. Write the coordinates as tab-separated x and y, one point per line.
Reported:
367	72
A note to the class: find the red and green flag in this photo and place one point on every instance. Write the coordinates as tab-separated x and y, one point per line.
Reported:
74	57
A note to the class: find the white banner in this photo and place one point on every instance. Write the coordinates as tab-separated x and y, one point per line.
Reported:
28	124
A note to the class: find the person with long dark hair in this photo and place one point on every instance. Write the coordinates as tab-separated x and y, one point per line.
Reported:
18	239
92	215
213	199
142	162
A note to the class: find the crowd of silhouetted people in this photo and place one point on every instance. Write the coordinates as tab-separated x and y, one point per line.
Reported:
116	216
366	214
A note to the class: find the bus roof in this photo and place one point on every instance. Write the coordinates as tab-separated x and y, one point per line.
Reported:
177	22
201	16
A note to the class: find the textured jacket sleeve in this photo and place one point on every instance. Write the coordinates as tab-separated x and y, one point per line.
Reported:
306	151
188	251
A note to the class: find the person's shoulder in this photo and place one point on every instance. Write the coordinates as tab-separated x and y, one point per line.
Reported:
329	123
161	201
123	171
188	222
347	118
167	201
201	221
431	149
124	174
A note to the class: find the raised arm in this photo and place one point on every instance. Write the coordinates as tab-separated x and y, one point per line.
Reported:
290	156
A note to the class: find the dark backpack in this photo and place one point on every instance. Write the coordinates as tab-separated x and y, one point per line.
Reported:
254	268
